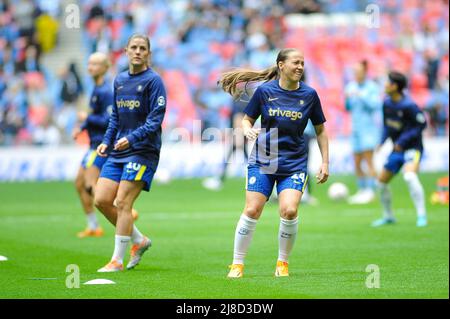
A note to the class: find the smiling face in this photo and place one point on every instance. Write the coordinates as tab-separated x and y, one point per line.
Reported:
138	52
292	67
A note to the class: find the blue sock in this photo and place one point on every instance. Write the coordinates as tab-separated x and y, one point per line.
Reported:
371	183
361	183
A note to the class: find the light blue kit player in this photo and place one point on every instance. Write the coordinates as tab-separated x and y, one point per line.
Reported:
133	141
363	101
279	156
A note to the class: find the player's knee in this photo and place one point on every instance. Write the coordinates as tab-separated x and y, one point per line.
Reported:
409	176
102	202
122	205
252	212
89	189
288	213
79	184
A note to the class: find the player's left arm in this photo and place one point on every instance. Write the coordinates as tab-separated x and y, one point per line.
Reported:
318	120
417	123
322	140
157	101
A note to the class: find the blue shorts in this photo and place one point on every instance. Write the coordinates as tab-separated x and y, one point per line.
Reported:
396	160
130	171
263	183
92	158
362	142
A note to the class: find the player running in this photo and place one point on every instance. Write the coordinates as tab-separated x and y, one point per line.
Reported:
403	124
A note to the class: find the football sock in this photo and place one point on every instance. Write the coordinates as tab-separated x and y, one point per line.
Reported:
120	247
286	237
370	183
136	236
361	183
416	192
386	201
242	238
92	220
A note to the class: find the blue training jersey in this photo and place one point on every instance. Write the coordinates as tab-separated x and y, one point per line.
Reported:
138	111
97	121
403	123
280	147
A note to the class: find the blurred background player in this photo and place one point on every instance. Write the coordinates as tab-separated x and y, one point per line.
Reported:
133	139
403	124
363	101
237	142
285	104
95	124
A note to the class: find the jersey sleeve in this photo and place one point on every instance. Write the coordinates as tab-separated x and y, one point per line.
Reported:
385	133
416	124
101	119
253	108
157	104
113	123
317	117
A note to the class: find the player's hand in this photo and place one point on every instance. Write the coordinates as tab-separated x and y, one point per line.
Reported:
251	133
82	116
398	148
323	174
378	148
75	132
122	144
101	150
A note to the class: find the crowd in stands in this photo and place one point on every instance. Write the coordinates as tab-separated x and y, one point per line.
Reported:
193	41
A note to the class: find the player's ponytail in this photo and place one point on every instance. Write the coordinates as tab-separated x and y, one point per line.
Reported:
230	80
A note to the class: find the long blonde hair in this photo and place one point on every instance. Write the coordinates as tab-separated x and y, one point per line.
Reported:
229	80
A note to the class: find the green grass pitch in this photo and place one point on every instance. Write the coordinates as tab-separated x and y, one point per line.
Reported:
192	231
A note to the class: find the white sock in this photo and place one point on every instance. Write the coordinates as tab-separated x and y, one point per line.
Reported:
120	247
92	220
386	200
416	192
286	237
136	236
242	238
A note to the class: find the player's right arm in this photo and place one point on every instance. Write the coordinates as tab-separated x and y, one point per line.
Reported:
385	133
247	126
252	111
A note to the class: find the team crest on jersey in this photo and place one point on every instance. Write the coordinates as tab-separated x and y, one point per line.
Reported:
420	118
139	88
94	99
161	101
302	102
